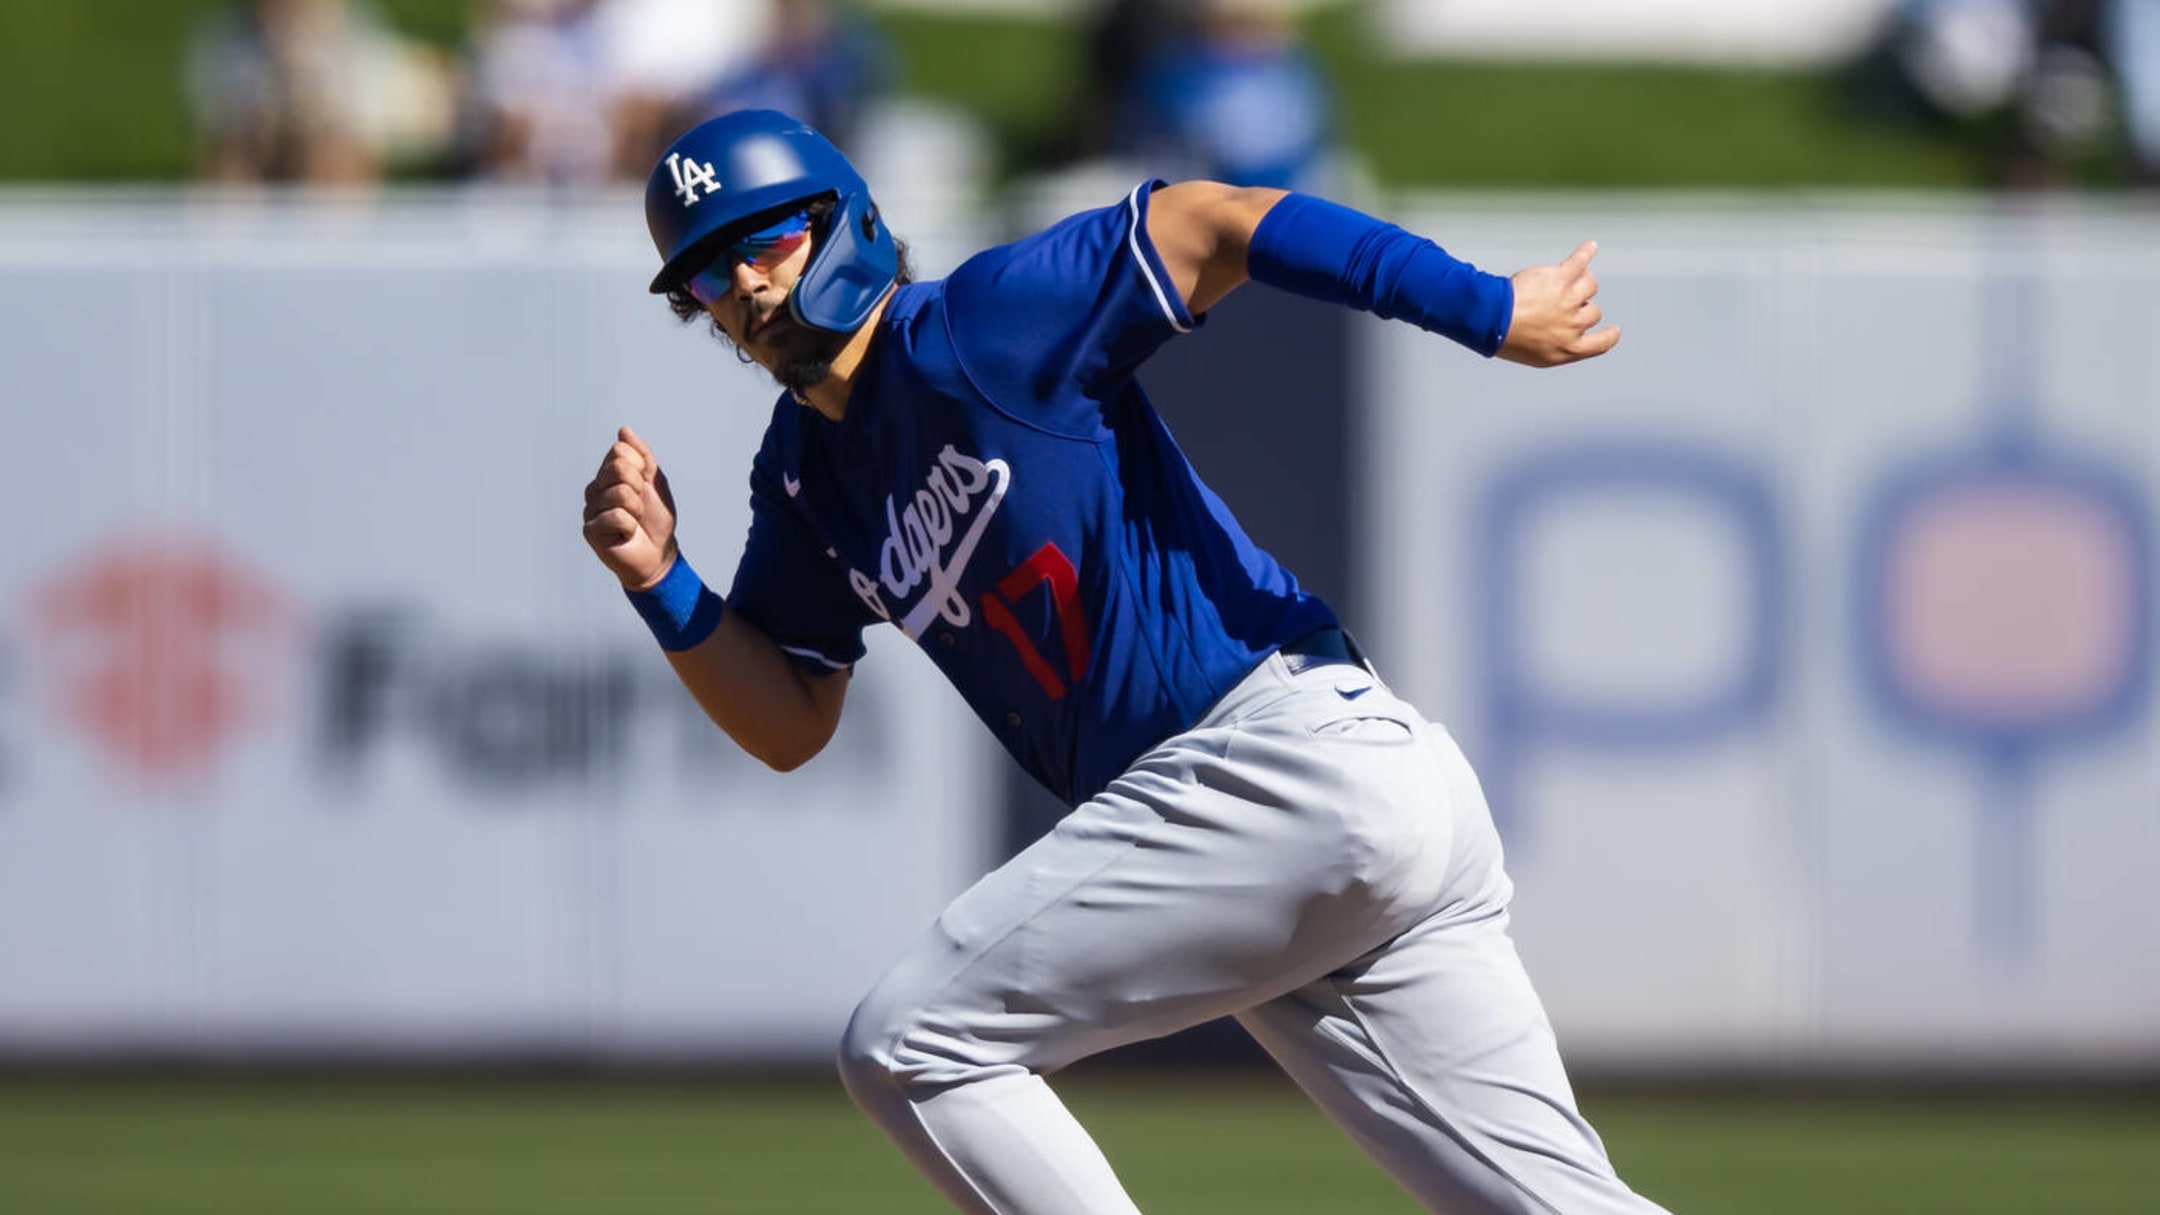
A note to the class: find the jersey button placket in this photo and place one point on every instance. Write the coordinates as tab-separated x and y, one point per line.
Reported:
1013	720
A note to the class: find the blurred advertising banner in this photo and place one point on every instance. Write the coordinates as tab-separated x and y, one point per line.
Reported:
1759	32
1804	644
320	728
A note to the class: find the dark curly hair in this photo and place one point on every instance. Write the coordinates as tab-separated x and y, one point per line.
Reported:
687	310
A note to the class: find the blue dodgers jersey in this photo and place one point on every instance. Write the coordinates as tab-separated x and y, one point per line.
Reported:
1002	490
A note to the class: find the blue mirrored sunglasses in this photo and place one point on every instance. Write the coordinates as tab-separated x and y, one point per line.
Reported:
763	249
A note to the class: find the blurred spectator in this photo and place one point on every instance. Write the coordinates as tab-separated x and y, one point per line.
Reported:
2066	108
1124	38
661	58
1964	58
1239	100
820	62
2131	36
541	93
2040	83
315	91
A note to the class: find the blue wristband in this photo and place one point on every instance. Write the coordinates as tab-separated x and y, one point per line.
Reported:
1316	248
680	609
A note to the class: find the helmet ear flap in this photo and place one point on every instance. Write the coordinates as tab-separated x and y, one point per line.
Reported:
850	271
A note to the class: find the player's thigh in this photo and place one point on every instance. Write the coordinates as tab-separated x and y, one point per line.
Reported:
1228	867
1435	1055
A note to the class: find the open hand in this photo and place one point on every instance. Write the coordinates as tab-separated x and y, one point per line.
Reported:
1555	311
629	513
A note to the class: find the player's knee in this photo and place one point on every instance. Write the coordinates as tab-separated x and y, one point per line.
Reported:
880	1051
866	1058
894	1046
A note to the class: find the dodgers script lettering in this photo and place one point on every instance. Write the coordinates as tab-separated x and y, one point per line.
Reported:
924	543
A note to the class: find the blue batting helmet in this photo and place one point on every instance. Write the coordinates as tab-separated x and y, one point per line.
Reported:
749	163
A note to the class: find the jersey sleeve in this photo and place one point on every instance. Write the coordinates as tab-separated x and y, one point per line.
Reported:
1051	326
790	586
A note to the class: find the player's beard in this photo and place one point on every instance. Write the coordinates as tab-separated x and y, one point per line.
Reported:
809	358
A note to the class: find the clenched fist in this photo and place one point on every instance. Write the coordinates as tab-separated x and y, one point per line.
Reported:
630	515
1555	311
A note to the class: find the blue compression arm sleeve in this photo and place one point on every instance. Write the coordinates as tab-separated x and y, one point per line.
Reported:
1316	248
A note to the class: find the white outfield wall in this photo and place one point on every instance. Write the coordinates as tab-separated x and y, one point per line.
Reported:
321	729
1804	643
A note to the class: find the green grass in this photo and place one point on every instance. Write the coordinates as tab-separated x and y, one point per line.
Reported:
1888	1155
1019	78
1480	124
94	88
1193	1146
1518	125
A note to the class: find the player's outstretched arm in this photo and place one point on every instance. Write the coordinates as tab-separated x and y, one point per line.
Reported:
1201	230
1212	237
770	706
1556	312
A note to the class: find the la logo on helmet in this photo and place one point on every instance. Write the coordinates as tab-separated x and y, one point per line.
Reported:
690	177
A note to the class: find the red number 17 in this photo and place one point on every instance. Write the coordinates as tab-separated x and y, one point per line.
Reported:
1048	566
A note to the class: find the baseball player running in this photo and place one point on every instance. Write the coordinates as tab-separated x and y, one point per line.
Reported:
1260	828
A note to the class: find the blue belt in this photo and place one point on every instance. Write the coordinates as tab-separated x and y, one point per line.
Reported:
1321	647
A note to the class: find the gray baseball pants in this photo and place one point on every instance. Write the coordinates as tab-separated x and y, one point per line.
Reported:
1313	857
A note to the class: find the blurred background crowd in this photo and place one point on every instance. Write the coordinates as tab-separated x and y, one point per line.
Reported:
580	92
577	92
564	92
2053	84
